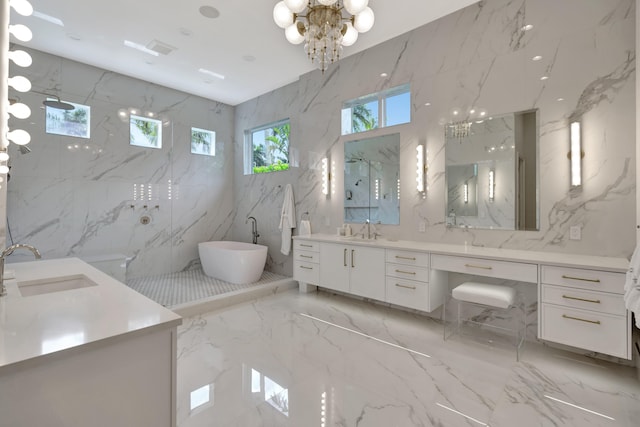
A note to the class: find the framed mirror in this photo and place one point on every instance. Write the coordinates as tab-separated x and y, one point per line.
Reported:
491	172
371	180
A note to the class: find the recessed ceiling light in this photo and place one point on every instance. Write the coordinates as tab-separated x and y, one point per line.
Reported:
48	18
455	112
150	114
74	36
560	99
211	73
427	104
543	78
536	58
249	58
140	47
384	75
209	12
527	27
186	32
472	111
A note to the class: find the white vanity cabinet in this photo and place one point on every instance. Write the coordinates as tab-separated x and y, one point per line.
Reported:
306	261
407	280
354	269
584	308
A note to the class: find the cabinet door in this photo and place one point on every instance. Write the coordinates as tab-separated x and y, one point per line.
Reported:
334	267
367	272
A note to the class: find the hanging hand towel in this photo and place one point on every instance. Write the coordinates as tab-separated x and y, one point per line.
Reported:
305	228
287	219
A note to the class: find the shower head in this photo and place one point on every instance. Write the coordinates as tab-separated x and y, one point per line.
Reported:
57	103
24	149
354	160
358	182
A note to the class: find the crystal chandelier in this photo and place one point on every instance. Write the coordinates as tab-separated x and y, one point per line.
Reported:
324	25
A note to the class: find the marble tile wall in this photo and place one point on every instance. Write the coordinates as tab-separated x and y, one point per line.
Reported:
477	57
82	197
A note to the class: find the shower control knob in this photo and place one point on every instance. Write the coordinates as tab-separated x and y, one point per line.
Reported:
144	220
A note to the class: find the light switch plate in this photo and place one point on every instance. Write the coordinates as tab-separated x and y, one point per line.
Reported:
575	232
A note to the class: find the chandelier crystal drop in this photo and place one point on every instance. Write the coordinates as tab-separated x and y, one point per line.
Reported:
324	26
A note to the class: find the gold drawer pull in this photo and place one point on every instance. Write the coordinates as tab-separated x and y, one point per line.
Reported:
406	257
406	287
306	268
579	278
478	266
406	272
306	246
306	256
595	301
595	322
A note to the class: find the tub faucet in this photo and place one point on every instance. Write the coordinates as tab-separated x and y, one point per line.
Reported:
8	252
254	228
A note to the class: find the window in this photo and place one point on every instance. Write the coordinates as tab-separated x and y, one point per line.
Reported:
75	122
382	109
267	148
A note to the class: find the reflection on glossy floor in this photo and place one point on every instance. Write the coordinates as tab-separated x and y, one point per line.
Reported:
321	360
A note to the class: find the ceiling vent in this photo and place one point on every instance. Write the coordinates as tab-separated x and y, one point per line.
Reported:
161	48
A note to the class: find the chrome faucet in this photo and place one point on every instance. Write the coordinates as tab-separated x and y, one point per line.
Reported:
254	228
8	252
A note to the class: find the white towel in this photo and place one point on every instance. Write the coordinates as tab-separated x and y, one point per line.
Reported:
305	228
287	219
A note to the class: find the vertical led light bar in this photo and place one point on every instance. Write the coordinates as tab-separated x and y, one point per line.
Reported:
420	168
576	155
492	185
465	190
325	176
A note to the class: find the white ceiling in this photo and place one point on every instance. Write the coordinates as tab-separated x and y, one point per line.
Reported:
94	33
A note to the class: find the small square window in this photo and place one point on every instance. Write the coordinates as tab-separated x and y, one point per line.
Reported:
267	148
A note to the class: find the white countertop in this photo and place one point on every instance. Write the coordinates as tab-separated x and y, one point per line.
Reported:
54	323
534	257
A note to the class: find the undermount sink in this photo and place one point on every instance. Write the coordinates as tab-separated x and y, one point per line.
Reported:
57	284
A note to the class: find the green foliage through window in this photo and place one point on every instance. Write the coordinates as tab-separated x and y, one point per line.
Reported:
270	148
381	109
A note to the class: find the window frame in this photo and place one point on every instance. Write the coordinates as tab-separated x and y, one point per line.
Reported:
248	144
381	98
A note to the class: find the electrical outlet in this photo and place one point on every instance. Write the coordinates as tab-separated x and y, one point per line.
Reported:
575	232
422	226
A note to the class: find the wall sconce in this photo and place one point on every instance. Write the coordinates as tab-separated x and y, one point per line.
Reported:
575	155
377	185
492	185
465	192
325	176
420	168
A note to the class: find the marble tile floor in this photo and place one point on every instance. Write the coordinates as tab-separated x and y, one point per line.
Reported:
318	359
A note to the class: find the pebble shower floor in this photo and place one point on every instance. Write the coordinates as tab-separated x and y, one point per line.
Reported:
174	289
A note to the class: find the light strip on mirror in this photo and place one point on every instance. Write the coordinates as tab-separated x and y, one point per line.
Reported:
420	177
325	176
492	185
465	190
575	155
364	335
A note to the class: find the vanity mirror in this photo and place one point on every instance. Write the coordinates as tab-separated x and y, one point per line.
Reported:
491	172
371	180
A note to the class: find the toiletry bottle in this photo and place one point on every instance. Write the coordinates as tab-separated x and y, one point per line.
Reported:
347	230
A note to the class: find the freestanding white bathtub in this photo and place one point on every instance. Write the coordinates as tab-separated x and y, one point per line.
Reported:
234	262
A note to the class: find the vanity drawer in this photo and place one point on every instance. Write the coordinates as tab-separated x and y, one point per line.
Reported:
306	245
306	256
582	278
584	329
519	271
407	293
578	298
409	272
420	259
306	272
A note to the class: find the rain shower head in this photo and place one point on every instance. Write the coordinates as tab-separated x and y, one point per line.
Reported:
57	103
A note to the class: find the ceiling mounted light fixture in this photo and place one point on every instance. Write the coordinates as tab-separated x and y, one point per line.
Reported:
324	25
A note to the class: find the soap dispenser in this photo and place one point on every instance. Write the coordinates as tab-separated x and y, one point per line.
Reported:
347	230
